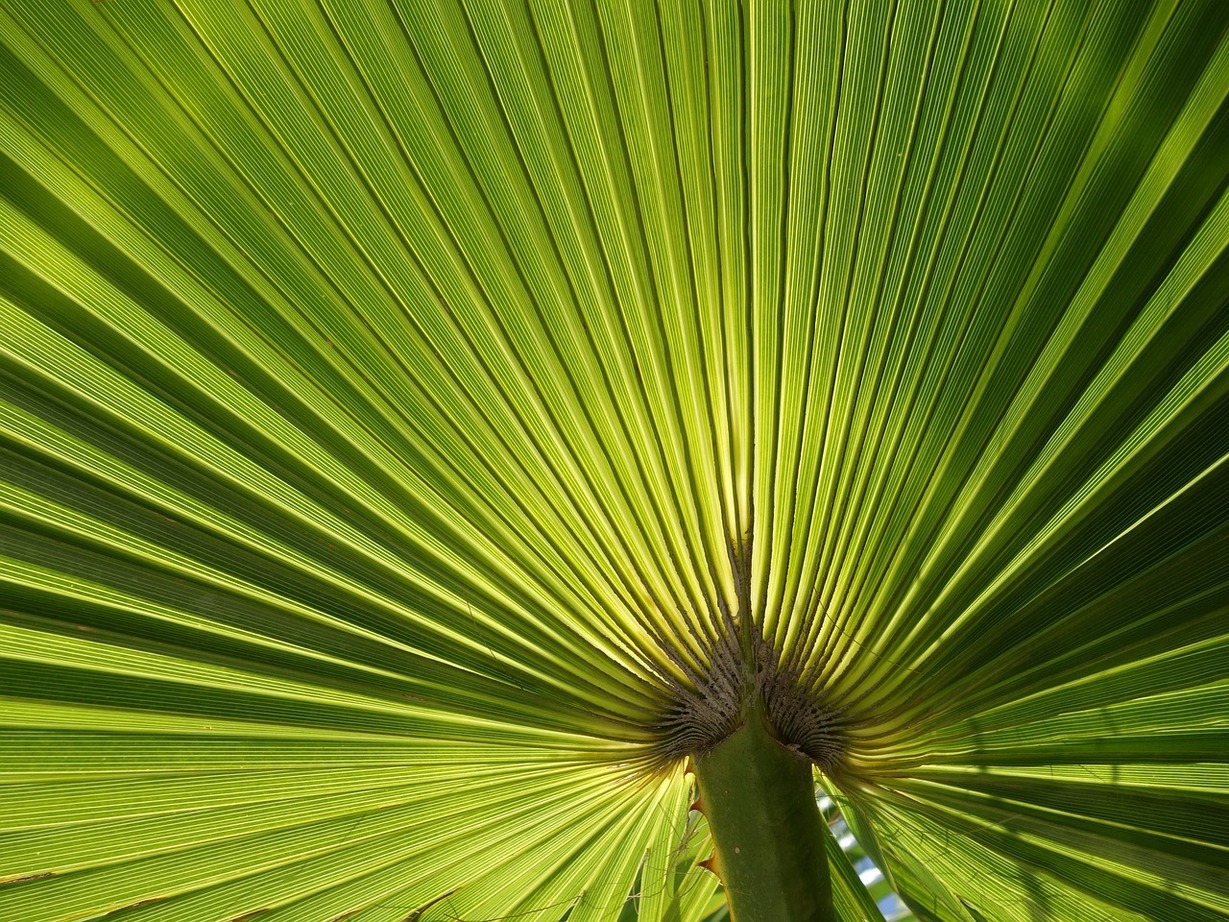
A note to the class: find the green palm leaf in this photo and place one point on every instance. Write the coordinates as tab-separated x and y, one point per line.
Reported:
406	411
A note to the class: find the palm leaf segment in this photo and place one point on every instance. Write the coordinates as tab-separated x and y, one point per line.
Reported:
402	407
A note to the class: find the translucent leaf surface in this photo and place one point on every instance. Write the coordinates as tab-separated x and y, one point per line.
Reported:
398	400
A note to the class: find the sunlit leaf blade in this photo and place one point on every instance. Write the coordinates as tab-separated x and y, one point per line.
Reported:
400	401
850	897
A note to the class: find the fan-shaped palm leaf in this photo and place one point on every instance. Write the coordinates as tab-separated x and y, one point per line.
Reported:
419	422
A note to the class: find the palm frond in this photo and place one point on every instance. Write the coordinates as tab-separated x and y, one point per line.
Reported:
400	402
